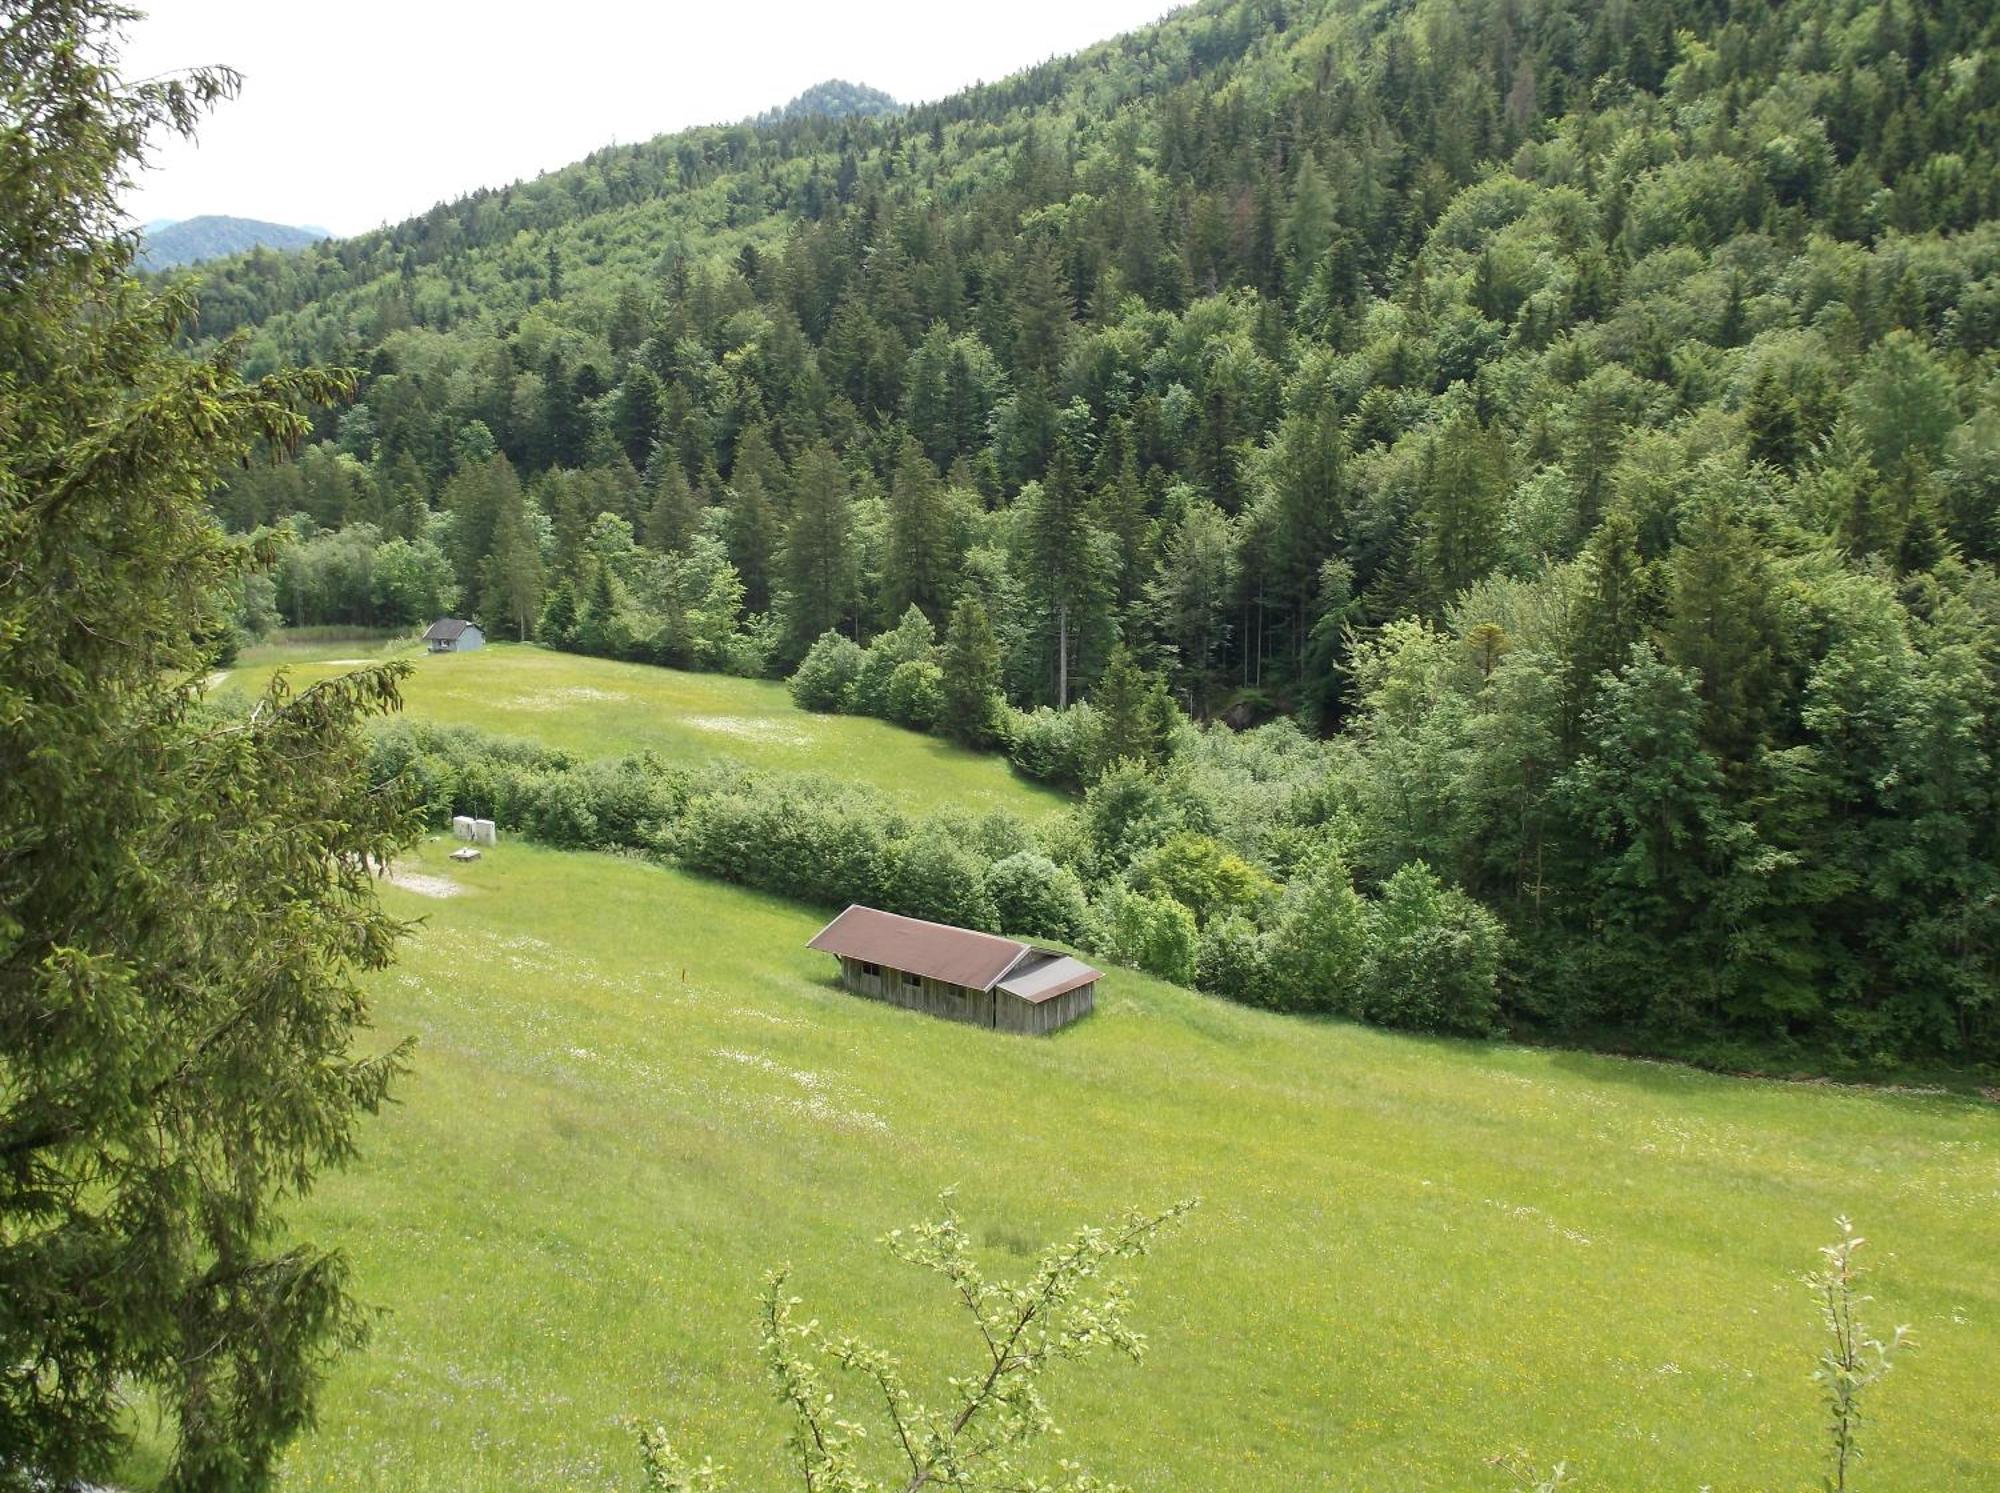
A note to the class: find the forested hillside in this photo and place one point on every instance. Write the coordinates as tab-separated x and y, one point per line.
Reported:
1585	415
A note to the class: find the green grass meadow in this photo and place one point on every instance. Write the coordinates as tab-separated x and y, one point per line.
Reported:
597	708
635	1090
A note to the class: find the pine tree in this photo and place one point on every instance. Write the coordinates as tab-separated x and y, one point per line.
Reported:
1772	422
1465	484
751	531
819	556
1614	610
1300	513
557	627
1310	225
920	568
971	667
636	411
1042	315
511	579
1121	515
1061	563
1134	716
475	499
597	630
1719	621
176	1067
1188	599
672	516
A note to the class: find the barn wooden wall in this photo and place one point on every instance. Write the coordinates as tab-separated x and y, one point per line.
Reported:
1046	1016
976	1007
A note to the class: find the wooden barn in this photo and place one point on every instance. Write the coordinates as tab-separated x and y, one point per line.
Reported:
956	973
454	635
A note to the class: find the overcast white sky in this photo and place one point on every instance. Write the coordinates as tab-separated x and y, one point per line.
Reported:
362	112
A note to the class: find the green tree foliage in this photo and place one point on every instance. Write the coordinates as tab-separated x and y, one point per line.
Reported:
819	557
1204	876
1190	597
924	545
1063	572
1396	369
1433	957
1033	897
188	898
971	676
1152	933
1318	941
511	578
1135	715
824	679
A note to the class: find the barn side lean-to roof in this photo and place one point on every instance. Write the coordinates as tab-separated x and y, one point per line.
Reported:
957	956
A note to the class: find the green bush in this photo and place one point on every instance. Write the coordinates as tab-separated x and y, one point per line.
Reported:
825	677
1433	957
1318	942
1053	746
805	839
1204	876
1033	897
911	640
936	876
1154	934
1126	813
1229	960
916	695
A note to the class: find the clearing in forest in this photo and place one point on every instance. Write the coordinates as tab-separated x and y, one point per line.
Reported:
595	707
636	1090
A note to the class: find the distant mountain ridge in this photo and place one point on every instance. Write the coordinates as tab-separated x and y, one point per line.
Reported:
836	98
169	245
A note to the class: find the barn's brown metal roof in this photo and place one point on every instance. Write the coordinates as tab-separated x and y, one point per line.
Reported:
1045	978
446	630
938	951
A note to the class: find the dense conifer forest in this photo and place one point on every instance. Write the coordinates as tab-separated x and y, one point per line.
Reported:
1524	470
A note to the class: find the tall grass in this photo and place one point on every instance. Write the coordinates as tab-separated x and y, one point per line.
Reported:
636	1091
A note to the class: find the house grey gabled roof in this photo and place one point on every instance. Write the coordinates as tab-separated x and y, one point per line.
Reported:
446	630
938	951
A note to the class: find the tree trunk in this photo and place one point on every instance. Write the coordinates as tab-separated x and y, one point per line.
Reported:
1062	657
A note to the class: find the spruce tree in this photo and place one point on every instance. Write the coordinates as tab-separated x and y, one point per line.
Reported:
1720	621
187	896
751	532
1134	714
1063	571
1121	515
674	511
971	667
922	560
511	579
819	558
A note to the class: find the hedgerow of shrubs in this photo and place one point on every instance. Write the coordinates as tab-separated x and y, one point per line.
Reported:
1132	874
900	677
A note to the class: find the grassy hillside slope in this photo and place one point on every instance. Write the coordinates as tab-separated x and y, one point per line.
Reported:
636	1090
596	708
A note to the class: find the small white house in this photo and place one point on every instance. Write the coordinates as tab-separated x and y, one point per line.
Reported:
454	635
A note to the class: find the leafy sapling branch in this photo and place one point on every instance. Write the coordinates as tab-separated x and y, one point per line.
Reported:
1854	1360
981	1436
